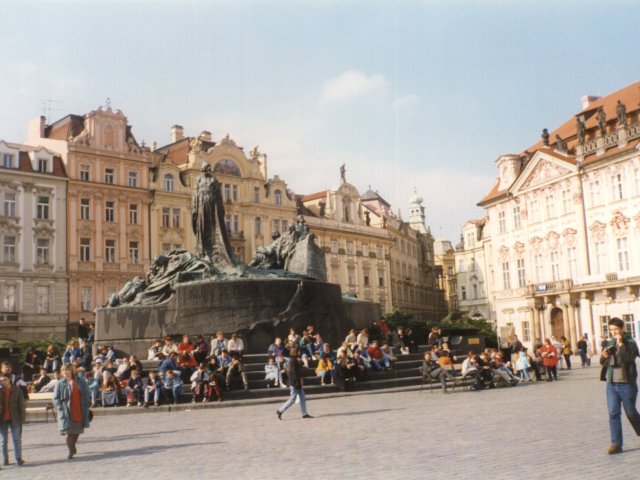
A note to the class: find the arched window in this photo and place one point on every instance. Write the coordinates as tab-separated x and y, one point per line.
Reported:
258	225
277	195
168	182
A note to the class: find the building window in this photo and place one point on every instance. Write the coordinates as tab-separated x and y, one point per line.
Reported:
277	195
550	206
9	298
86	303
85	208
522	278
177	246
85	249
109	212
534	212
166	248
134	252
257	226
380	252
601	257
623	254
42	165
42	299
506	278
526	331
463	293
555	265
566	201
474	289
9	205
366	279
168	182
256	194
42	251
110	251
629	324
351	277
234	192
380	281
9	249
166	217
594	192
350	249
7	160
502	222
43	208
604	325
236	223
227	222
133	179
275	226
85	173
133	214
176	218
572	259
365	250
109	175
517	223
227	192
616	187
334	246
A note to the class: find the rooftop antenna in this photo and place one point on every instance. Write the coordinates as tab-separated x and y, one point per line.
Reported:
46	107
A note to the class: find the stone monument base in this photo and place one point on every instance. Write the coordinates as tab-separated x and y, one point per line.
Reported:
257	309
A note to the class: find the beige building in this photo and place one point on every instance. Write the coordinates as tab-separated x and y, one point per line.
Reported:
107	204
372	252
445	267
565	225
33	243
255	206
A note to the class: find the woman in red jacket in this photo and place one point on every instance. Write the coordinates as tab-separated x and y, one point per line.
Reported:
549	359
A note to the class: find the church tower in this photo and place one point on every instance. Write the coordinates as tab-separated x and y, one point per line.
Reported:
416	213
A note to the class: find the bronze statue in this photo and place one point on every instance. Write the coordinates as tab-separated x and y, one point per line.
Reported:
343	173
602	120
621	111
207	220
545	137
580	129
561	145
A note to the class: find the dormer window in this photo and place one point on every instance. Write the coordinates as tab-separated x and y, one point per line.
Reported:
168	182
43	165
7	160
277	195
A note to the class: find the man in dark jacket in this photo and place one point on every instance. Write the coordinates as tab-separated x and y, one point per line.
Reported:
618	362
12	416
295	382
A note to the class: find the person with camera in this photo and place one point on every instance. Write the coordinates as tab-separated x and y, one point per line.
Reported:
618	362
549	354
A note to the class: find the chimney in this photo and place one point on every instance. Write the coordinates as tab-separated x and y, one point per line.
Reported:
205	135
587	100
177	133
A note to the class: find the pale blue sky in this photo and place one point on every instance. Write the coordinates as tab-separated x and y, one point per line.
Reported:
424	94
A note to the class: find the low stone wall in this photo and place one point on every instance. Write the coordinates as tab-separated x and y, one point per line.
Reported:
258	310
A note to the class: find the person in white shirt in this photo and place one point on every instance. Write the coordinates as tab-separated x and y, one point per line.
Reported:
235	346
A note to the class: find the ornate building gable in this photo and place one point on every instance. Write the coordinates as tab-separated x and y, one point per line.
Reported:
598	231
228	159
108	130
166	176
569	236
541	169
536	244
518	249
553	241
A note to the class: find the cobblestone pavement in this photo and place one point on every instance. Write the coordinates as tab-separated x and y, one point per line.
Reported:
534	431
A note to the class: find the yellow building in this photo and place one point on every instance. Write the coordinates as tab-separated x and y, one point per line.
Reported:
256	206
108	197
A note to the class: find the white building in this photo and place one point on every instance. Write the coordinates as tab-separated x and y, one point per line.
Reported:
33	241
565	225
471	270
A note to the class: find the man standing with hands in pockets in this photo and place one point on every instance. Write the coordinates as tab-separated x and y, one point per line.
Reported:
295	382
618	362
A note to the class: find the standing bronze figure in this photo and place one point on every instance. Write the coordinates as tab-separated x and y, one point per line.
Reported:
207	220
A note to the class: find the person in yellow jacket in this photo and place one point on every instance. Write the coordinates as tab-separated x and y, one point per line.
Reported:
324	369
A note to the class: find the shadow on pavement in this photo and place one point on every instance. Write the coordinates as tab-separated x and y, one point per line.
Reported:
364	412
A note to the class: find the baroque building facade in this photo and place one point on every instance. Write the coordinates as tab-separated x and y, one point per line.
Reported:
255	206
108	200
564	223
445	270
33	242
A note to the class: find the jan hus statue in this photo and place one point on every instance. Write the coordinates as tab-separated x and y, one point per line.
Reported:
208	222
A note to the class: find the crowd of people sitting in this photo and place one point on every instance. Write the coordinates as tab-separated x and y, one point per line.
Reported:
208	368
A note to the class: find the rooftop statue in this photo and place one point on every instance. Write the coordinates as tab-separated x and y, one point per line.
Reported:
602	120
621	112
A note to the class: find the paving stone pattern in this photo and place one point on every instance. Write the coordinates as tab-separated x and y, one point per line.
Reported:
533	431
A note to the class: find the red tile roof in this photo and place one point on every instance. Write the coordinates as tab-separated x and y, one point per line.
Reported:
315	196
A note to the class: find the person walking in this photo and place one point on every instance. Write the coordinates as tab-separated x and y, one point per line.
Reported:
618	362
566	351
295	382
72	400
582	350
12	416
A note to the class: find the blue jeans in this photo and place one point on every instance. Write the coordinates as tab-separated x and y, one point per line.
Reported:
625	394
16	435
295	392
155	393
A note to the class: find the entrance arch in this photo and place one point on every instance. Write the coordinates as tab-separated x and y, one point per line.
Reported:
557	322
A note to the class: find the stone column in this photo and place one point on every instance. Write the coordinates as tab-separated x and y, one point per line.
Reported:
587	318
535	322
573	334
